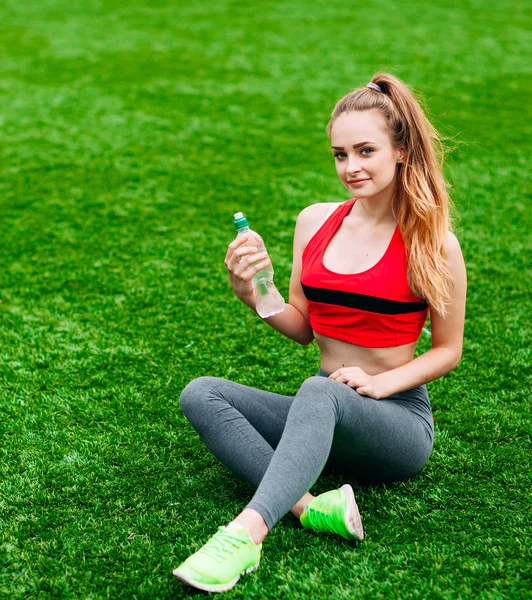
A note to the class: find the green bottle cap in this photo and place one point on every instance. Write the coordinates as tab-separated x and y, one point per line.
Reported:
240	221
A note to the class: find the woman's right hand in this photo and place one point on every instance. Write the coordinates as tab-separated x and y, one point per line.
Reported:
243	261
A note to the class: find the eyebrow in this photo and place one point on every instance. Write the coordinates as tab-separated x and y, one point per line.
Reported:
355	146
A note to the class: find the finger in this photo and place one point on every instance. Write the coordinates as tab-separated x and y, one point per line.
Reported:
247	269
244	251
342	378
260	265
338	375
236	243
250	259
238	266
354	383
335	375
362	390
356	371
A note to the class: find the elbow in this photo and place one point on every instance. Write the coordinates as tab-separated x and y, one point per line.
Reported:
305	334
455	356
306	338
457	359
305	341
449	358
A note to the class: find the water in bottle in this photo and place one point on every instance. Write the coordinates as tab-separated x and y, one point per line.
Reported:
268	300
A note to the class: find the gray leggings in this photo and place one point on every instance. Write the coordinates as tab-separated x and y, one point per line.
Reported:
281	444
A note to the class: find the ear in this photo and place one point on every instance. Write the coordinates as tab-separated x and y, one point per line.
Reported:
401	156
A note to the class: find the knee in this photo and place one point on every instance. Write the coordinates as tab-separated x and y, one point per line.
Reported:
321	389
195	394
319	384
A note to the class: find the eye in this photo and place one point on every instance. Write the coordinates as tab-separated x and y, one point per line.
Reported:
339	155
370	149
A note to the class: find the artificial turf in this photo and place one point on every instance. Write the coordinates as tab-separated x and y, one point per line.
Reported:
131	133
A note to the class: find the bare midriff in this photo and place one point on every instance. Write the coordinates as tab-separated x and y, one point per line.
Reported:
336	354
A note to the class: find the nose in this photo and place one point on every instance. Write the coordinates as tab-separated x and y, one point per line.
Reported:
352	165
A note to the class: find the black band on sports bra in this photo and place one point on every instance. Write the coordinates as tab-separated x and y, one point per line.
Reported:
361	301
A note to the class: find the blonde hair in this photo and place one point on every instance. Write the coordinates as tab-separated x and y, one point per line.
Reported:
421	203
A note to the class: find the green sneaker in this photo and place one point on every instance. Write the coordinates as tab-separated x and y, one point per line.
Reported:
218	565
334	512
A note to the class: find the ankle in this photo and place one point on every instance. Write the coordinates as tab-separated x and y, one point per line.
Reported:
297	509
254	522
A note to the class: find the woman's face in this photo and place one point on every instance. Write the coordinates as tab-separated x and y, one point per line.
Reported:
363	150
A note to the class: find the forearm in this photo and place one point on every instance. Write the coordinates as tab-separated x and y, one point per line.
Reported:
292	324
427	367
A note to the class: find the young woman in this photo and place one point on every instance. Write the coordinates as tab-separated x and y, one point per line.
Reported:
365	274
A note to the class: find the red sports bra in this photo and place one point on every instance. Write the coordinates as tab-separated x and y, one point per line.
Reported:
374	308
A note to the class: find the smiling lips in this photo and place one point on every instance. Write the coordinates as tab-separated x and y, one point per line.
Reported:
357	180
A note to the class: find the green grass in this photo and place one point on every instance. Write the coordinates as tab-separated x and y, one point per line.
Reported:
131	133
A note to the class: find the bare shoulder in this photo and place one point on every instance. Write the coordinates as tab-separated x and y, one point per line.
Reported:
455	261
311	218
454	252
453	245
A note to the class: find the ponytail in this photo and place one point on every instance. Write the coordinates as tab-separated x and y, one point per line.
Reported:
421	203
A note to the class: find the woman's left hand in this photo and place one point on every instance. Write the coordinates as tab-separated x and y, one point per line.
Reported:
364	384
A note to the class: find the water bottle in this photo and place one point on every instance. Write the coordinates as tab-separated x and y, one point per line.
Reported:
268	300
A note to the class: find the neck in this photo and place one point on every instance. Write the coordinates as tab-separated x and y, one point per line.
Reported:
375	210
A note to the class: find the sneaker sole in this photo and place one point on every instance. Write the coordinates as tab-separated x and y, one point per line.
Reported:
353	519
213	587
